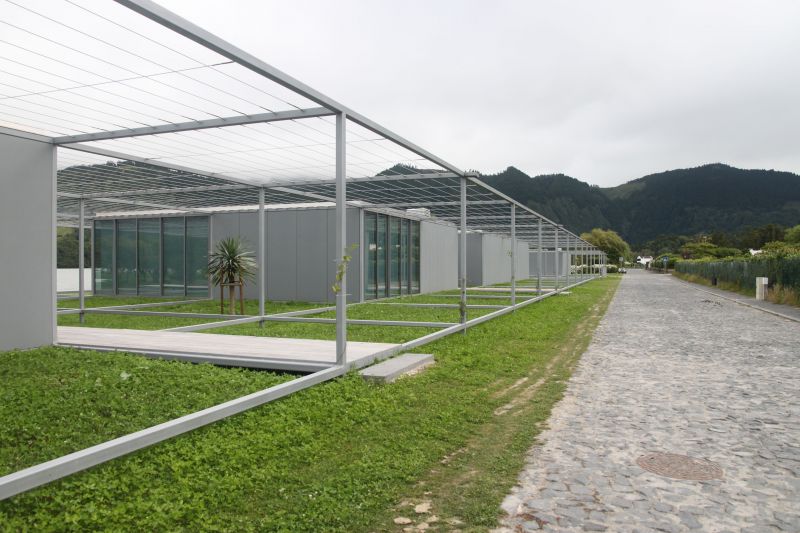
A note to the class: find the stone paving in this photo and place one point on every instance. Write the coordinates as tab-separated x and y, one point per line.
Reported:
671	369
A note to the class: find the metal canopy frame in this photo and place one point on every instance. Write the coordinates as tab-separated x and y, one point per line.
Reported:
151	114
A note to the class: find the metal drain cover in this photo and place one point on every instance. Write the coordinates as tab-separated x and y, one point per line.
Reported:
680	466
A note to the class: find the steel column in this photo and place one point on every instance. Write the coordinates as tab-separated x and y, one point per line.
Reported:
262	266
341	240
556	254
513	254
81	253
539	259
462	252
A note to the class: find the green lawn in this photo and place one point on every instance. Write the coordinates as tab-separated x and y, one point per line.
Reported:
110	301
344	455
55	401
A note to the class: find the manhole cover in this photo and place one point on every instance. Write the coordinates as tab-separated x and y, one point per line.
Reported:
680	466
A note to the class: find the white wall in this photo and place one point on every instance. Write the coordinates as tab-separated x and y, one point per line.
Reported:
67	279
548	263
489	259
438	257
27	230
300	252
523	264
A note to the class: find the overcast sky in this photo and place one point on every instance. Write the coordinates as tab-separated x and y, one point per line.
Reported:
603	91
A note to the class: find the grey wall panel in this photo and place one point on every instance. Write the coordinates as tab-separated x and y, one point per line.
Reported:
474	259
438	257
522	260
27	207
281	255
300	255
352	240
354	232
548	263
248	231
314	266
496	259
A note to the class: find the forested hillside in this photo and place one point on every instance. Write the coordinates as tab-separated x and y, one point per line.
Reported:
705	199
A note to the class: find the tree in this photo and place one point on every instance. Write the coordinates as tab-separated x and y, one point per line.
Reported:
229	265
67	248
609	242
792	235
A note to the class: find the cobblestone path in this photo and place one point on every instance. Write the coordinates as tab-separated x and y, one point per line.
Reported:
675	370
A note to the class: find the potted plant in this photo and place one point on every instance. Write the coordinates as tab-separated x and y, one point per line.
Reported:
230	265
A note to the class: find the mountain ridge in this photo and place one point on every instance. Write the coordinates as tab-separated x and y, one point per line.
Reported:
703	199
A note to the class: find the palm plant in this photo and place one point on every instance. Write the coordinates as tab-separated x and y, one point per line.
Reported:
229	265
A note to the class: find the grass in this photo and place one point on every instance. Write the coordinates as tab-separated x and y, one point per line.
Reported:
109	301
56	401
390	334
343	455
161	322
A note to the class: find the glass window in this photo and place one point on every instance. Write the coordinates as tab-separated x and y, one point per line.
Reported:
415	257
380	262
197	256
104	257
394	262
173	251
404	240
126	256
370	255
149	249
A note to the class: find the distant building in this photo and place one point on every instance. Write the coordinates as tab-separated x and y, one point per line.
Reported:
644	260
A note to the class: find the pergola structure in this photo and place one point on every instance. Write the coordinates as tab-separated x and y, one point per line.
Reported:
182	120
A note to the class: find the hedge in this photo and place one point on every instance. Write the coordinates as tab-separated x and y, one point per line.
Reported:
784	271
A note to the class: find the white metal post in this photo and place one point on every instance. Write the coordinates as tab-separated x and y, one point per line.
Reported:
341	240
462	253
539	259
262	265
555	256
81	266
513	255
569	258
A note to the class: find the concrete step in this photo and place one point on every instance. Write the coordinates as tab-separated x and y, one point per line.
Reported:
391	369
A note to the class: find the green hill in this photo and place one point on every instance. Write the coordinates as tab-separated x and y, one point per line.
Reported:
704	199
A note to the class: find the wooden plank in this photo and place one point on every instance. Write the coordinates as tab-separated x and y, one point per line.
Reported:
239	346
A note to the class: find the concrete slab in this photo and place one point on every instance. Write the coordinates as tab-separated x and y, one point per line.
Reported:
391	369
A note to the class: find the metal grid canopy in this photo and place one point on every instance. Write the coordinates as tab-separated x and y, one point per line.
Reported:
132	85
151	112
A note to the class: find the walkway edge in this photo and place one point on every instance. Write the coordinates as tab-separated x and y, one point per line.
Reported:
738	301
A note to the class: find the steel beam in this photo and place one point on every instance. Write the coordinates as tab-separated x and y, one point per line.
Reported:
462	252
81	260
191	31
513	254
22	134
341	239
113	154
262	266
539	259
292	114
164	190
556	257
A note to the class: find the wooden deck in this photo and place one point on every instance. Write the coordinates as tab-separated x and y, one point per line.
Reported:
301	355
